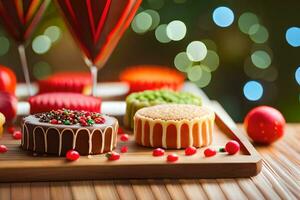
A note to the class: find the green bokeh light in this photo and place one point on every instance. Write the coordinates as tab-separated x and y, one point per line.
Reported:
155	18
258	34
205	78
4	45
194	73
176	30
182	62
142	22
161	34
41	70
196	51
211	60
53	32
156	4
41	44
246	21
261	59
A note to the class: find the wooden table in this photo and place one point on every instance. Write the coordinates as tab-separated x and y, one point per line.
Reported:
279	179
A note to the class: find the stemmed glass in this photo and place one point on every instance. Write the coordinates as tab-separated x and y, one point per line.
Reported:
19	18
97	26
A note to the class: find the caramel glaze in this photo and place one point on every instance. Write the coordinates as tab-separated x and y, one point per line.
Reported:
47	138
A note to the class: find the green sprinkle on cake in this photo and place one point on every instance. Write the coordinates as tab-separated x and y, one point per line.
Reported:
138	100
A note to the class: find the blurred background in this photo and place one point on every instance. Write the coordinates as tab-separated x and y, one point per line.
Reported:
249	50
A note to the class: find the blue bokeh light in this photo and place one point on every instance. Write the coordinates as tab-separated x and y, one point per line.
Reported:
297	75
223	16
253	90
292	36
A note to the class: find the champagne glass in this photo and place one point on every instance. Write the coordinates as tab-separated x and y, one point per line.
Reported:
97	26
20	18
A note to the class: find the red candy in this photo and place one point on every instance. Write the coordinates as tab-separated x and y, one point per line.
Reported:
120	131
113	156
17	135
124	149
3	149
54	121
11	129
158	152
72	155
264	124
172	157
210	152
232	147
124	137
190	151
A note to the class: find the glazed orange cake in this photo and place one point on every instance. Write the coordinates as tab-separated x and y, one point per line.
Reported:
174	126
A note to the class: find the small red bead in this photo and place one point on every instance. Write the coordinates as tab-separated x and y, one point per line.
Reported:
158	152
124	149
190	151
17	135
232	147
54	121
120	131
11	129
124	137
3	149
113	156
99	120
210	152
172	157
72	155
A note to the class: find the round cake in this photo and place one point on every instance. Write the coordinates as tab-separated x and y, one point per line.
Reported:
152	77
74	101
174	126
59	131
65	82
136	101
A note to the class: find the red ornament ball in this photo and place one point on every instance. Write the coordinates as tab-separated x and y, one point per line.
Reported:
3	148
124	137
173	157
124	149
158	152
72	155
113	156
209	152
264	124
190	151
17	135
232	147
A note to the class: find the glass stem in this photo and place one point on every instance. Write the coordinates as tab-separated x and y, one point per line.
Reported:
24	65
94	73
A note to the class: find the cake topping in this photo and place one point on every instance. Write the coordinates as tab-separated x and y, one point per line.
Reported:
71	117
173	112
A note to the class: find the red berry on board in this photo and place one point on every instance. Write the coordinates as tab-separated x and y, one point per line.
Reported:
72	155
120	131
11	129
232	147
190	151
3	149
124	149
113	156
209	152
264	124
124	137
17	135
158	152
172	157
54	121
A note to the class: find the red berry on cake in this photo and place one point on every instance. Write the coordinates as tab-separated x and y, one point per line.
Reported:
172	157
113	156
72	155
232	147
158	152
17	135
3	149
124	137
190	151
124	149
209	152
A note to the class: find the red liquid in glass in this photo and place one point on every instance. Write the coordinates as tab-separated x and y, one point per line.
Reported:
98	25
20	17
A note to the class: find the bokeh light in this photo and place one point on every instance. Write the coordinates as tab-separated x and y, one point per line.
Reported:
210	44
293	36
205	78
223	16
246	21
156	4
176	30
161	34
155	18
41	44
261	59
297	75
211	60
196	51
53	32
194	73
4	45
253	90
141	23
182	62
258	34
41	70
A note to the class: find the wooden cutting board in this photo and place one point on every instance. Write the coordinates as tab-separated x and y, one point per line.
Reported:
17	165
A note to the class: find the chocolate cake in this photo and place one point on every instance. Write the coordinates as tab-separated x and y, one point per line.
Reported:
59	131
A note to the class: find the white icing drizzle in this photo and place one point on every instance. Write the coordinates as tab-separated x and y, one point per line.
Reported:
27	136
34	143
135	127
207	121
